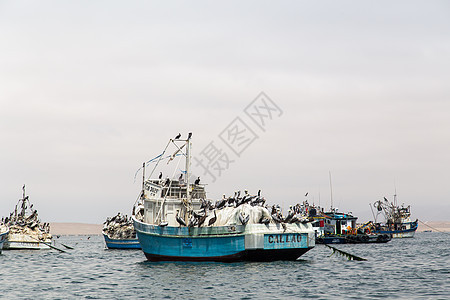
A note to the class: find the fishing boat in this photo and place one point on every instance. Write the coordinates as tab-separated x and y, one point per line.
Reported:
174	221
119	233
334	227
25	228
397	219
4	230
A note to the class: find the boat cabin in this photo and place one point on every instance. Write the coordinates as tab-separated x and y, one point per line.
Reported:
334	222
162	199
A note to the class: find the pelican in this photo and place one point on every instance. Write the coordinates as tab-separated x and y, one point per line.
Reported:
180	220
276	218
264	220
202	219
213	219
243	219
160	175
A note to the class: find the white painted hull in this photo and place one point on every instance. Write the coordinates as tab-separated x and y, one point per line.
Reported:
26	242
408	234
25	246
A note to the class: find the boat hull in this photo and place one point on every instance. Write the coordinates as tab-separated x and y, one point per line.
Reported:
121	243
19	241
3	236
26	245
405	233
354	239
221	243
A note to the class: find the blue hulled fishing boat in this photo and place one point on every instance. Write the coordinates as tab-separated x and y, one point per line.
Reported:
119	233
397	219
121	243
175	222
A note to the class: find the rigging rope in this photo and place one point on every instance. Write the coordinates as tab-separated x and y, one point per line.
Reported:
433	228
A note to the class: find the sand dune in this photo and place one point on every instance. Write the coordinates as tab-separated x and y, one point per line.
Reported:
75	229
434	226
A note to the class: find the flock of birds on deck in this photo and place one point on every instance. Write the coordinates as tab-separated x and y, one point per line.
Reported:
21	222
298	213
119	227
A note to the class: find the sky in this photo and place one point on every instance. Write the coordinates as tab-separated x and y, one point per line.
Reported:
282	94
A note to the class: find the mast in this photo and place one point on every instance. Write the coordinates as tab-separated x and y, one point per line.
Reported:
188	164
331	192
143	180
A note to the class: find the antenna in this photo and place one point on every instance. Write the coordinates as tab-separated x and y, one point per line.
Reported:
331	192
188	165
143	179
395	194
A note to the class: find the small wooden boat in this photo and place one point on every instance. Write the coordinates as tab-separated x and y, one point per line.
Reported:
335	227
121	243
119	233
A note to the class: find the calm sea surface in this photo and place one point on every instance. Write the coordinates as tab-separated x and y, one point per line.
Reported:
403	268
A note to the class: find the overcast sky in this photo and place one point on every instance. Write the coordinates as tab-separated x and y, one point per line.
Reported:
91	89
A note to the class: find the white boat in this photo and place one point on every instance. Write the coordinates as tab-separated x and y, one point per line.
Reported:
25	229
4	230
175	222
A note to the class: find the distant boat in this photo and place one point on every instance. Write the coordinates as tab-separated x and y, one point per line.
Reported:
121	243
119	233
175	222
25	228
335	227
4	230
397	219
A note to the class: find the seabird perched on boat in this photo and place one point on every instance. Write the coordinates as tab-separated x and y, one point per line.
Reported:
259	193
180	220
204	203
201	220
289	216
243	219
220	203
230	201
213	219
264	220
201	217
193	221
276	218
160	175
189	135
178	136
197	181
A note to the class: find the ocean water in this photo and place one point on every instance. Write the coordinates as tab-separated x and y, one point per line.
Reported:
417	268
